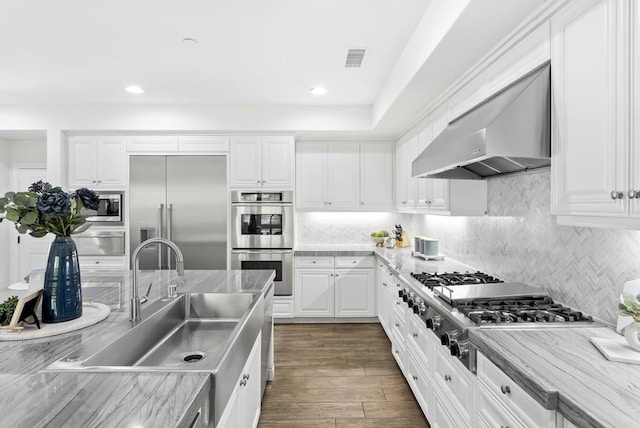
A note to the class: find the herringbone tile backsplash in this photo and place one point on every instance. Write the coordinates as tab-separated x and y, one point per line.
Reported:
520	241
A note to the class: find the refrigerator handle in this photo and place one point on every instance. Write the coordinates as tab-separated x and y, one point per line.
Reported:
169	220
159	247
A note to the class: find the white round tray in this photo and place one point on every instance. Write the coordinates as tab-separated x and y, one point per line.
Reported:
92	313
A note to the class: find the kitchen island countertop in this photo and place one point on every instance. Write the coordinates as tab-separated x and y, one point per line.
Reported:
34	399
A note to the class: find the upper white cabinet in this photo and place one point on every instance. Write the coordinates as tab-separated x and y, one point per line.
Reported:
406	186
338	176
264	162
97	162
376	176
183	144
595	180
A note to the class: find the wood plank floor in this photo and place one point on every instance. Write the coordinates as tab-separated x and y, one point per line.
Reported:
339	376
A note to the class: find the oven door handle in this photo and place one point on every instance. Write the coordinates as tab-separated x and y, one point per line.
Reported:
261	204
261	251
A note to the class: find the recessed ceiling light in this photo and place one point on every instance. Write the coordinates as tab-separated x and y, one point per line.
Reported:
318	90
134	89
190	41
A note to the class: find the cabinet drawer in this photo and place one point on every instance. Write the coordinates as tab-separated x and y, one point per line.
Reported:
511	395
283	307
102	263
456	380
312	262
492	412
355	262
424	340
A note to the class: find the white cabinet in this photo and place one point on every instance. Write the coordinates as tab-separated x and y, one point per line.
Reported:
376	176
334	287
406	186
184	144
283	307
456	386
384	297
314	292
263	162
97	162
502	402
593	173
243	407
339	176
355	294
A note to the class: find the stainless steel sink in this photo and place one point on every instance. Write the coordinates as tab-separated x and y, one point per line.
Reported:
203	332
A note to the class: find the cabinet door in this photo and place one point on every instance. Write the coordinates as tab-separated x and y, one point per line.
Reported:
311	176
439	194
412	183
343	176
82	162
277	162
401	174
245	162
355	293
376	176
250	391
425	185
634	183
111	162
589	124
314	293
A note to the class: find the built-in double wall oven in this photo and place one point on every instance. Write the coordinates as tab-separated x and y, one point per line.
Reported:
262	234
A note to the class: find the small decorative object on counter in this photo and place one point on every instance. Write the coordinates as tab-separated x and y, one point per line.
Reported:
630	306
390	242
379	237
46	209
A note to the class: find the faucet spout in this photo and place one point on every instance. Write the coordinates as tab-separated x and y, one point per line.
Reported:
134	313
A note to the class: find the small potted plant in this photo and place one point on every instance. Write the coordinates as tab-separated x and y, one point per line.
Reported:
630	306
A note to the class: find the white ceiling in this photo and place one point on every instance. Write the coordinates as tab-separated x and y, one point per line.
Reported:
249	52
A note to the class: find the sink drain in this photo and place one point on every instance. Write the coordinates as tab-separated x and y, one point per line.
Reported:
193	357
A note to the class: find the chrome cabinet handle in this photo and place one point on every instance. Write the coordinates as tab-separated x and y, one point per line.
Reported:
397	325
415	335
616	194
415	377
505	389
447	378
384	284
258	181
632	194
243	382
263	181
245	376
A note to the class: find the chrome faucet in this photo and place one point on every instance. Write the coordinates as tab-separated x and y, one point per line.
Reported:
135	295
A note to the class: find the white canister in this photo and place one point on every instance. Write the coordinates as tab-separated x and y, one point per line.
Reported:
429	246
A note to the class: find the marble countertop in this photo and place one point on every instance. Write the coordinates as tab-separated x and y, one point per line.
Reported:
33	399
559	367
591	390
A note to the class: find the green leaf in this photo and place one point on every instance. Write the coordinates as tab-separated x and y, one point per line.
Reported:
9	195
22	228
38	233
21	199
30	218
13	214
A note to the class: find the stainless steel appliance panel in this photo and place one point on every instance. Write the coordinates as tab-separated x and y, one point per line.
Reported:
196	214
100	243
279	260
110	209
147	197
181	198
261	226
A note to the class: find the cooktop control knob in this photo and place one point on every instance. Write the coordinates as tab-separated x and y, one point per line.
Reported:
434	323
449	337
402	293
460	349
419	307
411	296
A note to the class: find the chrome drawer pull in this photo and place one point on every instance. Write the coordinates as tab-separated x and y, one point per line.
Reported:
505	389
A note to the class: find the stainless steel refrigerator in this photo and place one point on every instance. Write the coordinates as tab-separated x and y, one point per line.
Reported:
183	199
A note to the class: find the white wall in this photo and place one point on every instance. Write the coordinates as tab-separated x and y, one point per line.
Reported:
22	152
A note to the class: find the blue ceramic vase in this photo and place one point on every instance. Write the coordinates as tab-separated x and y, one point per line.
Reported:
62	297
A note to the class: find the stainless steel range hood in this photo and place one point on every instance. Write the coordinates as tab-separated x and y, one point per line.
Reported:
508	132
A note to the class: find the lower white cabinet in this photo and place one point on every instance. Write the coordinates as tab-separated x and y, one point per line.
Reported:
335	287
243	408
455	385
283	307
501	400
102	262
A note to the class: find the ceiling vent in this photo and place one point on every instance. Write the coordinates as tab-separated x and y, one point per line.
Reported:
354	58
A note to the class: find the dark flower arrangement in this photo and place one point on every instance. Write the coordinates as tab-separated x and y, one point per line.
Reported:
46	209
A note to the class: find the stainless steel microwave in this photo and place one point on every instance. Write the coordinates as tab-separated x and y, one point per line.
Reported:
110	209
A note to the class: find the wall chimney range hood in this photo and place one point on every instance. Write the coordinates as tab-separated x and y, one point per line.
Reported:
509	132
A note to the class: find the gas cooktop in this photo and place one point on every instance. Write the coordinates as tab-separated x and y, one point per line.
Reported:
431	280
